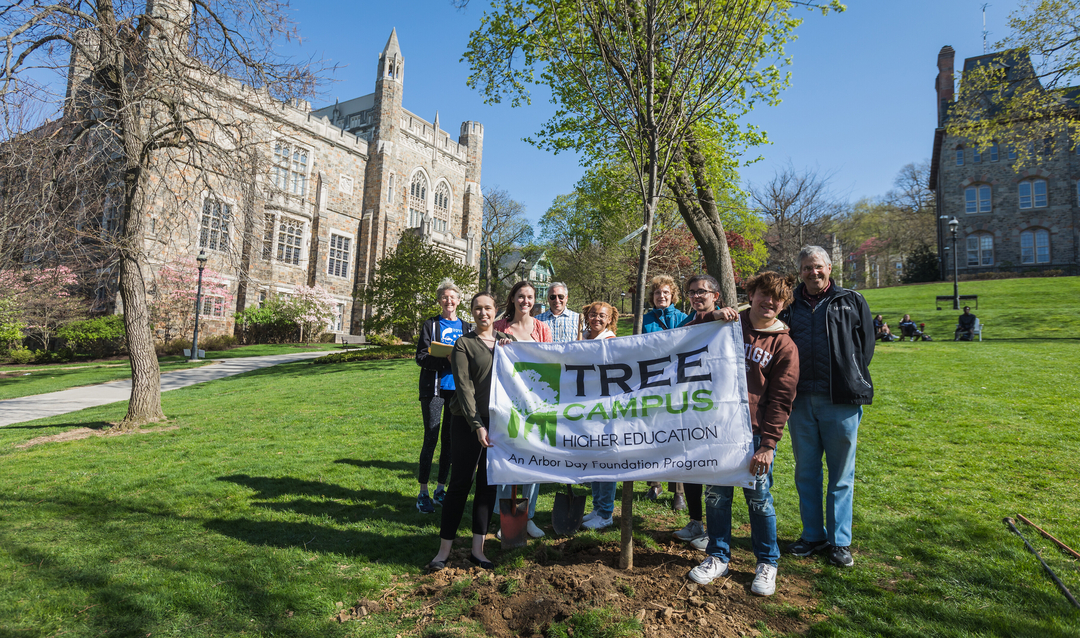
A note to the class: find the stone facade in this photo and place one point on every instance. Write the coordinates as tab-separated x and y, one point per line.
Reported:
323	195
1008	220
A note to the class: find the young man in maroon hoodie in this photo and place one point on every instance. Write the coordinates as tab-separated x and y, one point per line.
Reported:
772	373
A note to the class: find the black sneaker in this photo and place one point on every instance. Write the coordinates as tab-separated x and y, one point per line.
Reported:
807	548
439	496
841	557
425	504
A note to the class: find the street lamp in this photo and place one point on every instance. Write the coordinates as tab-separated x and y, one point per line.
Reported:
623	304
198	306
953	225
522	265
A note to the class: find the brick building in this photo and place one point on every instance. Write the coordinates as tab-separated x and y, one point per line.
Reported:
325	194
1008	220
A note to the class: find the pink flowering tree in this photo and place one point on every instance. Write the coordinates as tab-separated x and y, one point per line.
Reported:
312	308
43	299
172	306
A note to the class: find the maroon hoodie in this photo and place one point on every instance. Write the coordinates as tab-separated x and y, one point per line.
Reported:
772	372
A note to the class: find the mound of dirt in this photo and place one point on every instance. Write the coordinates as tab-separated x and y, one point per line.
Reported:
562	577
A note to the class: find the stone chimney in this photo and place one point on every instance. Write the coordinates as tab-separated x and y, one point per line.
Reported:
944	82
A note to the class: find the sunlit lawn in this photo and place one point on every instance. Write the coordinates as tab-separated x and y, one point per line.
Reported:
287	490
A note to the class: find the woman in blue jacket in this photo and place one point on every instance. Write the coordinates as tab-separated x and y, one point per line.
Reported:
436	391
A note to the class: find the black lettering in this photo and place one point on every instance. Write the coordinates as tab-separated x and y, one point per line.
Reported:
606	381
647	374
580	377
684	364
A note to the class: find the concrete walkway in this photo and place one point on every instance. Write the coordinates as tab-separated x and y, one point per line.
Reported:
40	406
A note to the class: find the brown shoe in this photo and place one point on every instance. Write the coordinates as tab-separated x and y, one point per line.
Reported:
678	503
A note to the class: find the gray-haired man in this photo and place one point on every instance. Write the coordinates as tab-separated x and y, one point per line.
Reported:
564	323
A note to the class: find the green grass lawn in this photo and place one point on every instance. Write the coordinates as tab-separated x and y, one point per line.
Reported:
284	491
20	381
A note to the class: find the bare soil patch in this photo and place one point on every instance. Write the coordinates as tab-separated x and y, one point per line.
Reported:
562	577
85	433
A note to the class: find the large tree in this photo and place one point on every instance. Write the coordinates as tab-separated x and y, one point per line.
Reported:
1024	97
648	79
141	94
505	230
798	207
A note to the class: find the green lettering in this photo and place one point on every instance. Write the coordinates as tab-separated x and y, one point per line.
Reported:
702	402
598	408
684	408
566	412
650	401
617	409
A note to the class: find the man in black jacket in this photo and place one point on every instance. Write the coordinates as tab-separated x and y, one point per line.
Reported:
834	333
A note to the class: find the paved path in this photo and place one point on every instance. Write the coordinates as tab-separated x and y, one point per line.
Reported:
40	406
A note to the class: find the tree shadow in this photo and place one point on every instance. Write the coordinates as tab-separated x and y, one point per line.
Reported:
402	469
93	425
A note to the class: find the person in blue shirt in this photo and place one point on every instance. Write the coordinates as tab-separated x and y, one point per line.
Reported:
436	391
663	316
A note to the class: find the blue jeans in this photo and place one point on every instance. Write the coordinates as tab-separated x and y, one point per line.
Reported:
603	498
529	491
818	426
762	518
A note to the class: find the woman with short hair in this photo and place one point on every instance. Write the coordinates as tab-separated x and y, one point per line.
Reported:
601	321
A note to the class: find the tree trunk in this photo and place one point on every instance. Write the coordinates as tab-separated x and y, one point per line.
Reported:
626	526
145	404
697	205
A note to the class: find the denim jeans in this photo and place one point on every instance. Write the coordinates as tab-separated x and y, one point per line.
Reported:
528	490
818	426
603	498
762	518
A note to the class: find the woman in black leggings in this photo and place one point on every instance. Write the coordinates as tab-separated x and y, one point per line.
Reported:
471	363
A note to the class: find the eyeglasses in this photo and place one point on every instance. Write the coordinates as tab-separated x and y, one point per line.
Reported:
554	297
595	315
699	292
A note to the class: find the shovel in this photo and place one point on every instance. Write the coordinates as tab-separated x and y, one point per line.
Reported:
567	512
513	517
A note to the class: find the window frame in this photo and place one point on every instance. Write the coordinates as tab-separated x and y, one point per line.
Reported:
289	251
960	155
1033	195
417	201
980	250
975	203
1035	253
224	239
215	304
291	169
342	260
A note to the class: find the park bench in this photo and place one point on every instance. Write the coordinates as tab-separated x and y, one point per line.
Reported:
350	340
946	298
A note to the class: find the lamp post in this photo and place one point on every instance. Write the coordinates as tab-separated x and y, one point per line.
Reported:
953	225
198	306
622	307
522	265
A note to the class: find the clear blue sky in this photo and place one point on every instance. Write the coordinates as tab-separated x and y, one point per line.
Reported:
860	107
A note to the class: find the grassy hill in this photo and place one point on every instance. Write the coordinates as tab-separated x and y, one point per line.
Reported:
277	494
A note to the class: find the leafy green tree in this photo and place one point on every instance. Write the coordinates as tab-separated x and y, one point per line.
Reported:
402	291
921	266
649	79
11	327
1023	96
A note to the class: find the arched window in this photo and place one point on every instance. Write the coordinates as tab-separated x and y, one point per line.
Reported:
1033	193
977	198
976	155
1035	246
442	207
417	199
980	250
960	155
994	152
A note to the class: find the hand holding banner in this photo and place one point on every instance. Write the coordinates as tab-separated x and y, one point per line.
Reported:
668	405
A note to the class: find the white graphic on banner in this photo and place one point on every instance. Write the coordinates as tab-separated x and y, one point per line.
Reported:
668	405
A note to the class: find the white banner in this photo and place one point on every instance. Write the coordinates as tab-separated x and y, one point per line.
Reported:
667	405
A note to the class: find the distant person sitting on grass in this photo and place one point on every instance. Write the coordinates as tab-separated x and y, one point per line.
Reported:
965	326
909	328
881	330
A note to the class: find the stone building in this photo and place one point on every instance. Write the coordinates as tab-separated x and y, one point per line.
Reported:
326	194
1008	220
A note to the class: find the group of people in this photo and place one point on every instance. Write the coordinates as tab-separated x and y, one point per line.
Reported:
807	357
908	330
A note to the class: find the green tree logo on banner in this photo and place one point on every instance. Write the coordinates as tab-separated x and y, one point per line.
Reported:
539	406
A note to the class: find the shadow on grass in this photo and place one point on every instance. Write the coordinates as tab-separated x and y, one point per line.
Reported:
364	509
93	425
404	470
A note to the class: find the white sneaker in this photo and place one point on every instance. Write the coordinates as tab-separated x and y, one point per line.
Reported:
764	580
597	523
709	569
591	515
498	534
693	529
701	543
534	531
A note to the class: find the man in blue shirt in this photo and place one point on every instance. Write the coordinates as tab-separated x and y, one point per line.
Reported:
564	323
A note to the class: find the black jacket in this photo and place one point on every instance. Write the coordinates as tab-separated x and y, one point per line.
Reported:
429	365
849	328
